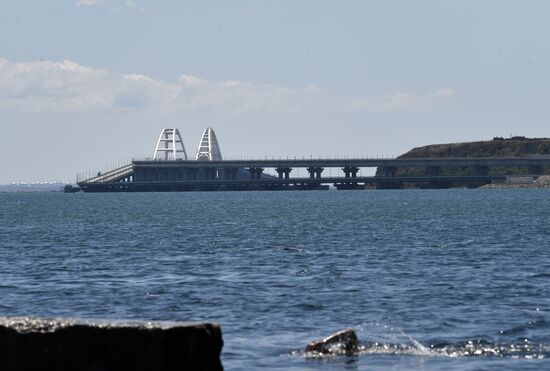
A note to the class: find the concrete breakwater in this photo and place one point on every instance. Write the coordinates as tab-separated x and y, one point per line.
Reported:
66	344
521	182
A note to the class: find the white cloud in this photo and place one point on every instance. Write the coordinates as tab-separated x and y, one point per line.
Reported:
68	86
89	3
111	5
46	86
400	101
445	92
132	4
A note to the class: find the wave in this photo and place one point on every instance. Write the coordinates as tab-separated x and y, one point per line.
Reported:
468	348
391	341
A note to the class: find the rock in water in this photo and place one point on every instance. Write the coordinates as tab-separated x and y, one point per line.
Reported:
66	344
342	342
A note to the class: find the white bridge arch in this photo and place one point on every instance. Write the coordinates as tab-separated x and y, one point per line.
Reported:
209	149
170	146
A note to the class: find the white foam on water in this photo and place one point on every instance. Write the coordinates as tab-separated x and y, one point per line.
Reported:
387	340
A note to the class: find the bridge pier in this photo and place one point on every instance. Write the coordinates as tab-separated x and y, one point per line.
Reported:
283	172
170	175
230	173
350	171
315	172
193	172
210	174
256	172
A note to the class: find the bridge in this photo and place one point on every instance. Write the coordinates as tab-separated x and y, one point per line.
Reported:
170	169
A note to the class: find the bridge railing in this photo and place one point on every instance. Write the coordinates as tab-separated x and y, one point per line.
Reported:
95	172
346	157
275	158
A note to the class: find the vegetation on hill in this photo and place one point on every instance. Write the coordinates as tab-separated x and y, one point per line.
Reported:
498	147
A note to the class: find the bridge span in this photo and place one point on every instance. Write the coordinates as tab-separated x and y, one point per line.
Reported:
398	163
170	169
195	175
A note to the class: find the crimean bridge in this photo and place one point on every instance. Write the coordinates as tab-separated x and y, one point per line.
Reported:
170	169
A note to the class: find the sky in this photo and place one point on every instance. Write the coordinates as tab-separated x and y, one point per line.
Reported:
87	83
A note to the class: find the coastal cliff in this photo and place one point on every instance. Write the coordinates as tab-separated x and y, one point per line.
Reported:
498	147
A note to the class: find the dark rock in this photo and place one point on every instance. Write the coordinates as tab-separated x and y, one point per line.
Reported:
66	344
342	342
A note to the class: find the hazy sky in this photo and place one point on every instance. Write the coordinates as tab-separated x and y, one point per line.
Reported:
84	83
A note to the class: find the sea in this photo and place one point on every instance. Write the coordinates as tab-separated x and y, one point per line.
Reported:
429	279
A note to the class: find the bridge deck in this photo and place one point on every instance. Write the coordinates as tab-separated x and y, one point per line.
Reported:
357	162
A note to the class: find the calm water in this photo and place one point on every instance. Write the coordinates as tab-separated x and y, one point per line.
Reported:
450	279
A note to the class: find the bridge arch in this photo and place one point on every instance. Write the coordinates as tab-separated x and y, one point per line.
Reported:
209	149
170	146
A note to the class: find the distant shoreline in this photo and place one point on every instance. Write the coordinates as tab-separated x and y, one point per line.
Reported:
32	187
